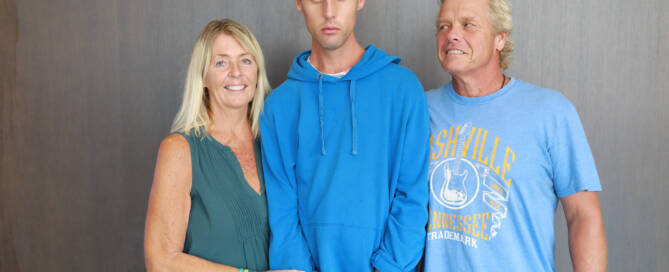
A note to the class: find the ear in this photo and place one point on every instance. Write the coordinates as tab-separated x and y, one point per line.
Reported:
298	6
361	4
500	40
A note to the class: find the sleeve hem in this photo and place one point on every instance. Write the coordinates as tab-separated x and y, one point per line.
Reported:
569	192
383	264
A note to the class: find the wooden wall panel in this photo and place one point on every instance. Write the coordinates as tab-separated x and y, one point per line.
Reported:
8	35
89	88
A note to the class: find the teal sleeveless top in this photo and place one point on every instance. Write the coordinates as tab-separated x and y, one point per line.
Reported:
228	219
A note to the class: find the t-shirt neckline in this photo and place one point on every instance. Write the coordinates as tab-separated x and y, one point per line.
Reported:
450	91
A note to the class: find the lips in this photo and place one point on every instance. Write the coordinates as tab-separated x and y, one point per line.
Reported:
235	88
330	30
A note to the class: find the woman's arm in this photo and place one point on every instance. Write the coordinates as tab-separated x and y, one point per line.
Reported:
168	212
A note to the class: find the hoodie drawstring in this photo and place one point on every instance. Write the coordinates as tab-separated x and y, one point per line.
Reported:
354	121
320	111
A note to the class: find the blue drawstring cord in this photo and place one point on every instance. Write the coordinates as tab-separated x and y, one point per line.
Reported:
354	121
320	111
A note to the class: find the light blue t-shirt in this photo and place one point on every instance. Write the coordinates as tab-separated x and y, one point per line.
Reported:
492	205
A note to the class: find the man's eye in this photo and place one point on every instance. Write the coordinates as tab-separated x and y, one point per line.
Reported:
469	24
442	27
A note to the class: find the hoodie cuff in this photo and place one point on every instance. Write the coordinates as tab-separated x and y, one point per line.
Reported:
384	263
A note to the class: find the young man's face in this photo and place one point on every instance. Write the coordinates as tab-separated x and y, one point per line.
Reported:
466	41
330	22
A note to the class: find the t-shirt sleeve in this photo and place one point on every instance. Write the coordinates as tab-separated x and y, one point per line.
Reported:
574	168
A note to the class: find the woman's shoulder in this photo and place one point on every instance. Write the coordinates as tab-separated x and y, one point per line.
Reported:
174	144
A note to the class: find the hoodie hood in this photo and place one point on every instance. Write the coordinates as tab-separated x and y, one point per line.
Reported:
373	60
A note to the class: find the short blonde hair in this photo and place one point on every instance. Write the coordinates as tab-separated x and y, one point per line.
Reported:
193	115
501	20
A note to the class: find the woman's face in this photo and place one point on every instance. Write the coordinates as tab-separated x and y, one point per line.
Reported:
232	75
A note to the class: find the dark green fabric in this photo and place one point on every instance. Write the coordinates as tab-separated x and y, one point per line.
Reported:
228	219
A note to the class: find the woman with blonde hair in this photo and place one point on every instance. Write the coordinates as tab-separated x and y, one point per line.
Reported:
207	210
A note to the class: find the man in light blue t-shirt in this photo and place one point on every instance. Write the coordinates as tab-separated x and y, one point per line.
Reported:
503	152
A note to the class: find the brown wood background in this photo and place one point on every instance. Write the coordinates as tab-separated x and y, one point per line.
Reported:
89	88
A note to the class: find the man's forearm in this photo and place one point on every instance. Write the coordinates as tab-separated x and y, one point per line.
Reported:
587	240
587	244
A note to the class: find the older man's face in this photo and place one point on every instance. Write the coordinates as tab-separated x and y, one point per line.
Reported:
466	42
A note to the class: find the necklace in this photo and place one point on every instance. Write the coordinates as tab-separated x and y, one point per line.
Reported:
503	80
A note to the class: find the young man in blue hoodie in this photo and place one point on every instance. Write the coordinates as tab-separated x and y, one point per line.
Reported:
345	153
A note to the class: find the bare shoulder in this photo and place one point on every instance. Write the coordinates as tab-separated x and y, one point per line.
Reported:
174	143
174	160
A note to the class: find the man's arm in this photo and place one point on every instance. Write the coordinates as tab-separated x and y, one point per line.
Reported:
404	238
587	242
288	247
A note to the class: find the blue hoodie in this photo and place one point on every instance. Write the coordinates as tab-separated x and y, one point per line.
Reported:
345	163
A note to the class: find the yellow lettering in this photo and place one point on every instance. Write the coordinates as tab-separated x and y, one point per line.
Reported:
452	141
475	225
494	204
468	227
496	187
506	166
484	226
476	144
444	222
432	155
435	220
492	157
438	142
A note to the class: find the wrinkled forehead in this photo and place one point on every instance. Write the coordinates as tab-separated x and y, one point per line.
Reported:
463	9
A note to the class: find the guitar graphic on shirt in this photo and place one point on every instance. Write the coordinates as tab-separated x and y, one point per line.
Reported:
454	189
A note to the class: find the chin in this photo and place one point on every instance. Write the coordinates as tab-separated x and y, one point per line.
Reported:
331	45
331	42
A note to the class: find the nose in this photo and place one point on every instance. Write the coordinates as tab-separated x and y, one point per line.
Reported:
234	70
329	9
453	33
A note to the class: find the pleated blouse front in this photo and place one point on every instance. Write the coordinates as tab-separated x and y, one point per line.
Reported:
228	219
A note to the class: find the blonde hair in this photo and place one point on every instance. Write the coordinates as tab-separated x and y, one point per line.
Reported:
193	115
502	21
500	18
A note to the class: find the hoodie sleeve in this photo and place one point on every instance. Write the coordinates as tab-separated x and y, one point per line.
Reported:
288	247
404	239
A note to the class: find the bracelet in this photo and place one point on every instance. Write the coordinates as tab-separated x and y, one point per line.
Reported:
244	270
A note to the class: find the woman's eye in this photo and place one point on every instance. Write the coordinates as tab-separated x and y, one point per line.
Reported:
247	61
219	63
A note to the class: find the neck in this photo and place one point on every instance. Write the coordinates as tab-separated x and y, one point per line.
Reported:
478	84
333	61
230	127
